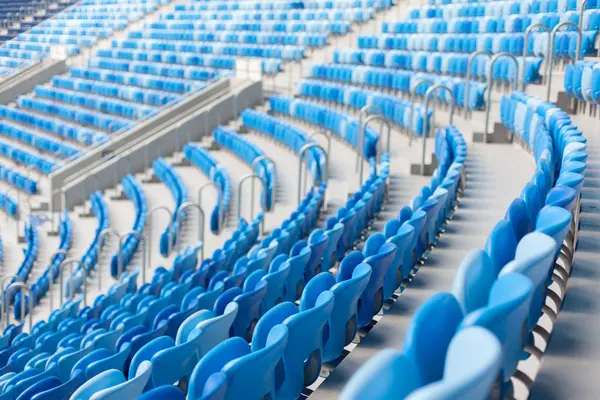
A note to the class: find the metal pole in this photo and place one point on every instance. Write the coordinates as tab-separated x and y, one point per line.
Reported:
149	232
327	136
219	201
139	236
254	163
361	135
201	218
413	107
51	283
469	73
23	287
551	55
491	85
5	304
301	157
364	128
101	236
239	204
530	28
428	97
583	6
70	263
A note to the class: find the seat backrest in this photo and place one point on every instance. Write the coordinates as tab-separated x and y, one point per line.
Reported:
429	334
534	258
389	375
501	245
518	218
471	368
129	389
554	222
506	316
473	281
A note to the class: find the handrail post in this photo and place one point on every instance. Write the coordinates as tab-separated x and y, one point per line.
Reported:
583	5
263	206
219	201
551	55
101	236
491	85
254	163
51	283
528	31
385	122
70	263
4	305
149	233
140	237
23	287
428	97
324	178
364	112
327	135
413	108
469	73
178	216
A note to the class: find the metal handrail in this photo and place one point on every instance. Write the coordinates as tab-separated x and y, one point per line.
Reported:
201	224
551	55
528	31
264	199
428	97
219	202
491	85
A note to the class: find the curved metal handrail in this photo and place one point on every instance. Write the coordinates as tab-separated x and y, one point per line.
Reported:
469	72
491	85
4	287
428	97
528	31
551	55
364	112
140	237
264	199
149	231
22	286
254	163
385	122
101	236
219	201
301	157
413	107
69	262
180	210
51	283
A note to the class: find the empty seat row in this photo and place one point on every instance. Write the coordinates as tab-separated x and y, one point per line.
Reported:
248	152
564	45
442	63
140	95
18	180
282	5
42	143
402	81
394	109
491	24
57	39
350	14
106	105
31	251
496	8
296	39
159	69
287	134
76	114
54	126
224	49
26	158
53	31
582	81
167	174
343	125
502	288
217	173
169	57
168	84
282	26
